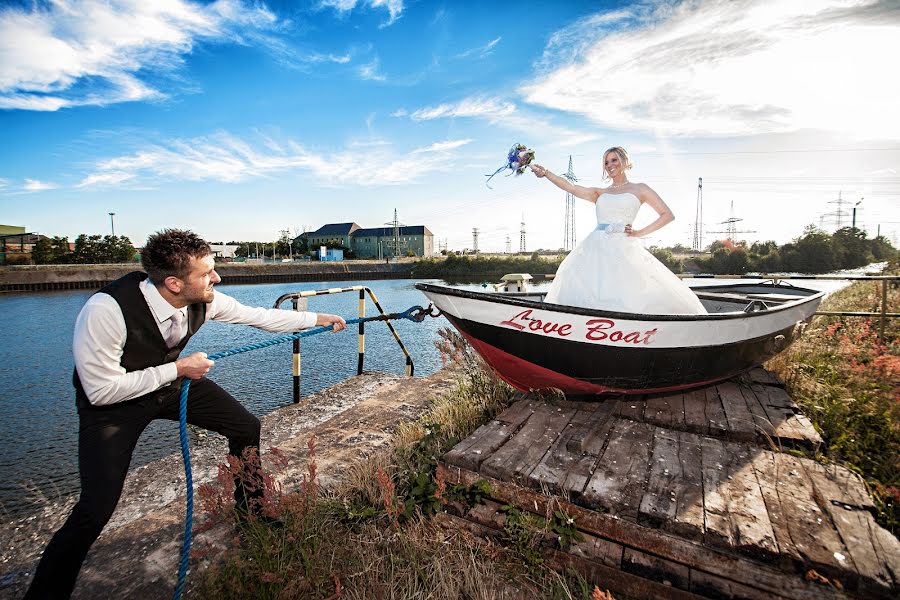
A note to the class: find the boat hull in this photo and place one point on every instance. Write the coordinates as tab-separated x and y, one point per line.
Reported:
537	346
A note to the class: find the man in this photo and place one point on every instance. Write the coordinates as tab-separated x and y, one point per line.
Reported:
128	372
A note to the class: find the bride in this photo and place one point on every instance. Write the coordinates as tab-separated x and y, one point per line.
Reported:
610	270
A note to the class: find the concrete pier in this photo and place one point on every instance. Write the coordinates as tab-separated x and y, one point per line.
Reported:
35	278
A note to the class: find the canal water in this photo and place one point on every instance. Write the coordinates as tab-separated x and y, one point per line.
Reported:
40	423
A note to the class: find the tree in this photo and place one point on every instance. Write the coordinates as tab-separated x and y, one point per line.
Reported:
737	262
812	253
88	249
851	248
665	256
42	251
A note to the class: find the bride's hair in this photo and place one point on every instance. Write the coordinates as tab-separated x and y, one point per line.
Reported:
623	157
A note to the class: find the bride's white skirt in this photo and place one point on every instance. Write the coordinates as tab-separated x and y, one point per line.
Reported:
612	271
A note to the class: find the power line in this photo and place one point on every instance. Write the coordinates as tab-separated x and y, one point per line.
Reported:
698	218
569	238
522	235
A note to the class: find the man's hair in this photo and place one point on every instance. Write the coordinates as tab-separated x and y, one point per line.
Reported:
168	253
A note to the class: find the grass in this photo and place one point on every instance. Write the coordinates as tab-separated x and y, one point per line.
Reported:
847	381
374	535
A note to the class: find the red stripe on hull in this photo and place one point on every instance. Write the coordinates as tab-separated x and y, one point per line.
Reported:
527	376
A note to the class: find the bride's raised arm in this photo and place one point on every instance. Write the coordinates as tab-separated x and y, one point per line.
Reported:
647	196
589	194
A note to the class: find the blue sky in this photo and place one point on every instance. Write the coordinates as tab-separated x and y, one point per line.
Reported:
242	119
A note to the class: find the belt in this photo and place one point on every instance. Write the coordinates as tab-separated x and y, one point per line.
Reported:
602	226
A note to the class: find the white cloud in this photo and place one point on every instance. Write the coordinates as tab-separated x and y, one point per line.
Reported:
394	7
93	52
109	178
33	185
370	71
226	158
729	68
477	106
480	51
504	114
443	146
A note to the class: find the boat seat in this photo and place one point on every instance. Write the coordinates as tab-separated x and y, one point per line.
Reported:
756	306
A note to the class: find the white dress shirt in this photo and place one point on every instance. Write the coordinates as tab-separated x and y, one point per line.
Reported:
100	335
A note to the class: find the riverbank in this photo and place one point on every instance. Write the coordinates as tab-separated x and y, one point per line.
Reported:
137	555
32	278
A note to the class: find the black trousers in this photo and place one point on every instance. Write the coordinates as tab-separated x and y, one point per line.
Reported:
107	437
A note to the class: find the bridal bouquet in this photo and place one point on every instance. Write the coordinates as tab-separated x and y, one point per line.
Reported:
518	158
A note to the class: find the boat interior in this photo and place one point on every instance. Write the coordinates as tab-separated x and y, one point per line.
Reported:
743	298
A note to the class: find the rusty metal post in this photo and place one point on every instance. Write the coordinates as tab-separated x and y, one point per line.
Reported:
884	286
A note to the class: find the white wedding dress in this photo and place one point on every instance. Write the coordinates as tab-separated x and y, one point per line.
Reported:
609	270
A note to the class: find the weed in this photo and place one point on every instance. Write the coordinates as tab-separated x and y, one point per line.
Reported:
847	381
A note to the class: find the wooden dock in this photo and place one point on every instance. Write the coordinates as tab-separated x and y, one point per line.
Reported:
686	495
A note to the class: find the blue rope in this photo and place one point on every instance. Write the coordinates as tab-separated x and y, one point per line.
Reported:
413	313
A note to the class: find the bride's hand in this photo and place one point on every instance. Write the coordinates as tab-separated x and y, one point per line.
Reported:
538	170
629	231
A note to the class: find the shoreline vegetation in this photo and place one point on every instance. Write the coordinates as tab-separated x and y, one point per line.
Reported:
847	381
815	252
379	532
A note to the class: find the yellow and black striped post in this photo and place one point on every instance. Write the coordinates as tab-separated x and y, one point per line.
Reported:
362	332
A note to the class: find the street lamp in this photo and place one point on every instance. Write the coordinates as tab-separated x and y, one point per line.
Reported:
112	223
854	211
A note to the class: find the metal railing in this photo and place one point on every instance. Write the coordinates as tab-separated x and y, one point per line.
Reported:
296	298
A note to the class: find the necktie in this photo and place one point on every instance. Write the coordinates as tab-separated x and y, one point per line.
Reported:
174	335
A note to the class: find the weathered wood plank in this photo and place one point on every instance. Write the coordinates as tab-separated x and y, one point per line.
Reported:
761	375
591	437
735	513
695	419
472	451
837	497
563	472
713	586
762	420
774	396
846	487
717	562
618	480
888	548
656	569
809	430
803	531
665	411
615	579
673	498
788	424
631	407
550	471
524	450
740	420
598	549
715	412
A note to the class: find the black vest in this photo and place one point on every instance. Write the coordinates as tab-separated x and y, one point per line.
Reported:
144	344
